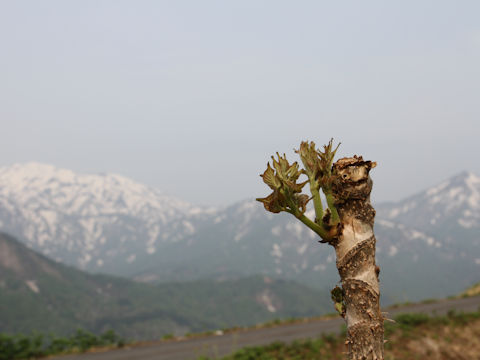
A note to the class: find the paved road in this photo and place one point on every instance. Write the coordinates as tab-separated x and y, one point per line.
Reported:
223	345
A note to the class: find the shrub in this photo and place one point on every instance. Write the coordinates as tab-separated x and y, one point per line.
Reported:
37	345
410	320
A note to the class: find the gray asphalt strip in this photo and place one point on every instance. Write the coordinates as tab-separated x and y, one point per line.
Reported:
217	346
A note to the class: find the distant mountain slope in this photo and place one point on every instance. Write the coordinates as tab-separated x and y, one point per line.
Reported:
428	245
39	294
418	260
96	222
453	203
449	212
414	264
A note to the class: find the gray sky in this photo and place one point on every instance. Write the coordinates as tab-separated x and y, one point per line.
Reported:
192	97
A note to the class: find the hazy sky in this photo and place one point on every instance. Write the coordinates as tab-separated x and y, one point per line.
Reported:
192	97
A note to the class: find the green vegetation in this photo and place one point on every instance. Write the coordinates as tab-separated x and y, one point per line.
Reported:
40	294
37	345
321	348
145	312
407	328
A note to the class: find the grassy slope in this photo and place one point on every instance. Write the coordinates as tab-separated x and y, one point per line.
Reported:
472	290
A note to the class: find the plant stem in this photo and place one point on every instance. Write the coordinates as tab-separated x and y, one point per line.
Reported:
335	219
318	229
317	201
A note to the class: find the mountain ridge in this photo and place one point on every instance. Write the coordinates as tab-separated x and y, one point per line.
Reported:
48	207
423	239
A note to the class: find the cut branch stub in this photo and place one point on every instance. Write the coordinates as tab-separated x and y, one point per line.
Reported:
351	179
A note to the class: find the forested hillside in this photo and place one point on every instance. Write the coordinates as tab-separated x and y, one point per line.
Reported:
38	294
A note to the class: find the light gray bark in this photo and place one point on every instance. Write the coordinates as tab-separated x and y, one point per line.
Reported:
355	250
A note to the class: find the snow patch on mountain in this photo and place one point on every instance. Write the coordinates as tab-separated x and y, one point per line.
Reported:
32	285
301	250
436	189
385	223
392	251
240	234
266	298
276	251
75	216
320	267
295	228
458	198
277	230
402	210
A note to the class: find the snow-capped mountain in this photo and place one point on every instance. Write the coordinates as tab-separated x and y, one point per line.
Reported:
417	259
95	222
449	213
428	245
454	202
